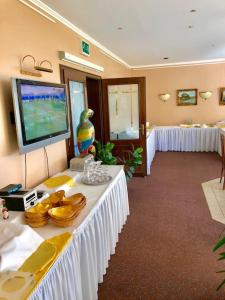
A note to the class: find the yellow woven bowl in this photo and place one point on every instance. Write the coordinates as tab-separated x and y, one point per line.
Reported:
36	224
62	212
63	223
39	210
55	198
74	199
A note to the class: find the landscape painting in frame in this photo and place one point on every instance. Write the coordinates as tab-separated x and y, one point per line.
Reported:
187	97
222	98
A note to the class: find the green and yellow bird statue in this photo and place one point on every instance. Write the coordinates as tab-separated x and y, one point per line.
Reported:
85	133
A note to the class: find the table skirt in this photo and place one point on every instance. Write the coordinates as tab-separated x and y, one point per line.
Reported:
77	272
187	139
150	150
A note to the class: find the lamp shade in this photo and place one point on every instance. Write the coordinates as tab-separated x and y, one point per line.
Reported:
164	97
205	94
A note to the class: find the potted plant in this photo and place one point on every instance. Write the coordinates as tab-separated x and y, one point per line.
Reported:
133	160
220	243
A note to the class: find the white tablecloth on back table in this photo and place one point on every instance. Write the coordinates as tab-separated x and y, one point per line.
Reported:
174	138
76	273
150	149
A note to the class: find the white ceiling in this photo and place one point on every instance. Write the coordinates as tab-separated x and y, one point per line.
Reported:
152	29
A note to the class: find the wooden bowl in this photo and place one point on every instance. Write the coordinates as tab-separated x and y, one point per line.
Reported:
55	198
74	199
62	212
37	211
36	224
63	223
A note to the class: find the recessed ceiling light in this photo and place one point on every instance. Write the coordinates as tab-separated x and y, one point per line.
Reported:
119	28
190	26
193	10
165	57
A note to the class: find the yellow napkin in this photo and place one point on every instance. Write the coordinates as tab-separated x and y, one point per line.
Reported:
40	265
59	180
40	259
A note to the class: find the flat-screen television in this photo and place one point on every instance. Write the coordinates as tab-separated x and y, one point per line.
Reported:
41	113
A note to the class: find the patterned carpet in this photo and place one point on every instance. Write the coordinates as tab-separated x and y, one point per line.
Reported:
165	249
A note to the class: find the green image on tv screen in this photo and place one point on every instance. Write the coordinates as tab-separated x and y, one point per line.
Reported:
44	110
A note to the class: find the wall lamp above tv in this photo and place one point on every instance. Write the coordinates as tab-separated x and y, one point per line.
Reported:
34	69
65	56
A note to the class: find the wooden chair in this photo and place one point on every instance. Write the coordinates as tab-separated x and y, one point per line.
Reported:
222	139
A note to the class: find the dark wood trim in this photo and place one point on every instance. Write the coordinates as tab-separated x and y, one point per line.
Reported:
124	145
85	74
95	100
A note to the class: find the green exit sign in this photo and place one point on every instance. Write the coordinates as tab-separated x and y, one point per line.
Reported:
85	48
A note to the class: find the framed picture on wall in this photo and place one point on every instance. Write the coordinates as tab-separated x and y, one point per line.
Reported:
187	97
222	96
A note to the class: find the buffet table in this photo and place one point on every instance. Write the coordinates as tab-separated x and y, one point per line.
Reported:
175	138
76	273
150	146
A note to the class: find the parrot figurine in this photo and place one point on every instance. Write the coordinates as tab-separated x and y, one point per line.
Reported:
85	133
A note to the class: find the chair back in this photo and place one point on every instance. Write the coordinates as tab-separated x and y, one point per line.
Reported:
222	140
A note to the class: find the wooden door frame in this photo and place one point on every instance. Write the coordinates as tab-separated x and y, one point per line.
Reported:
82	77
141	81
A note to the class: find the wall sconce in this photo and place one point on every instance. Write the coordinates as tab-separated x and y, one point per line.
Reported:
164	97
29	68
205	95
44	69
34	69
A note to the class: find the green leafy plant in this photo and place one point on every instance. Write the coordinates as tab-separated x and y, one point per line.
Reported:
104	153
220	243
131	162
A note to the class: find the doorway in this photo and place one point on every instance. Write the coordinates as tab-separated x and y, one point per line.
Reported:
119	107
84	91
124	112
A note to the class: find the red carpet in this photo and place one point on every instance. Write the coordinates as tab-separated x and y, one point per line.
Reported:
165	249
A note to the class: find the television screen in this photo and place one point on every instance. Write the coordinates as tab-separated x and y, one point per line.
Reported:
41	113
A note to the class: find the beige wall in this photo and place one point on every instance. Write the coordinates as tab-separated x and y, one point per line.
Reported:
168	80
23	31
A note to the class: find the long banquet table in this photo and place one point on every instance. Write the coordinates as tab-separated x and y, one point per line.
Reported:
76	273
150	146
175	138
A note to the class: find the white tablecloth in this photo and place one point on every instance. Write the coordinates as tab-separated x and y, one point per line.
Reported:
174	138
150	146
77	272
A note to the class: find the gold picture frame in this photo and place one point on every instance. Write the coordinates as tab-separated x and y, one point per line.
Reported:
187	97
222	96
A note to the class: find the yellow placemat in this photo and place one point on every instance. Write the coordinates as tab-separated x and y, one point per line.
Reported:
59	243
41	258
59	180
